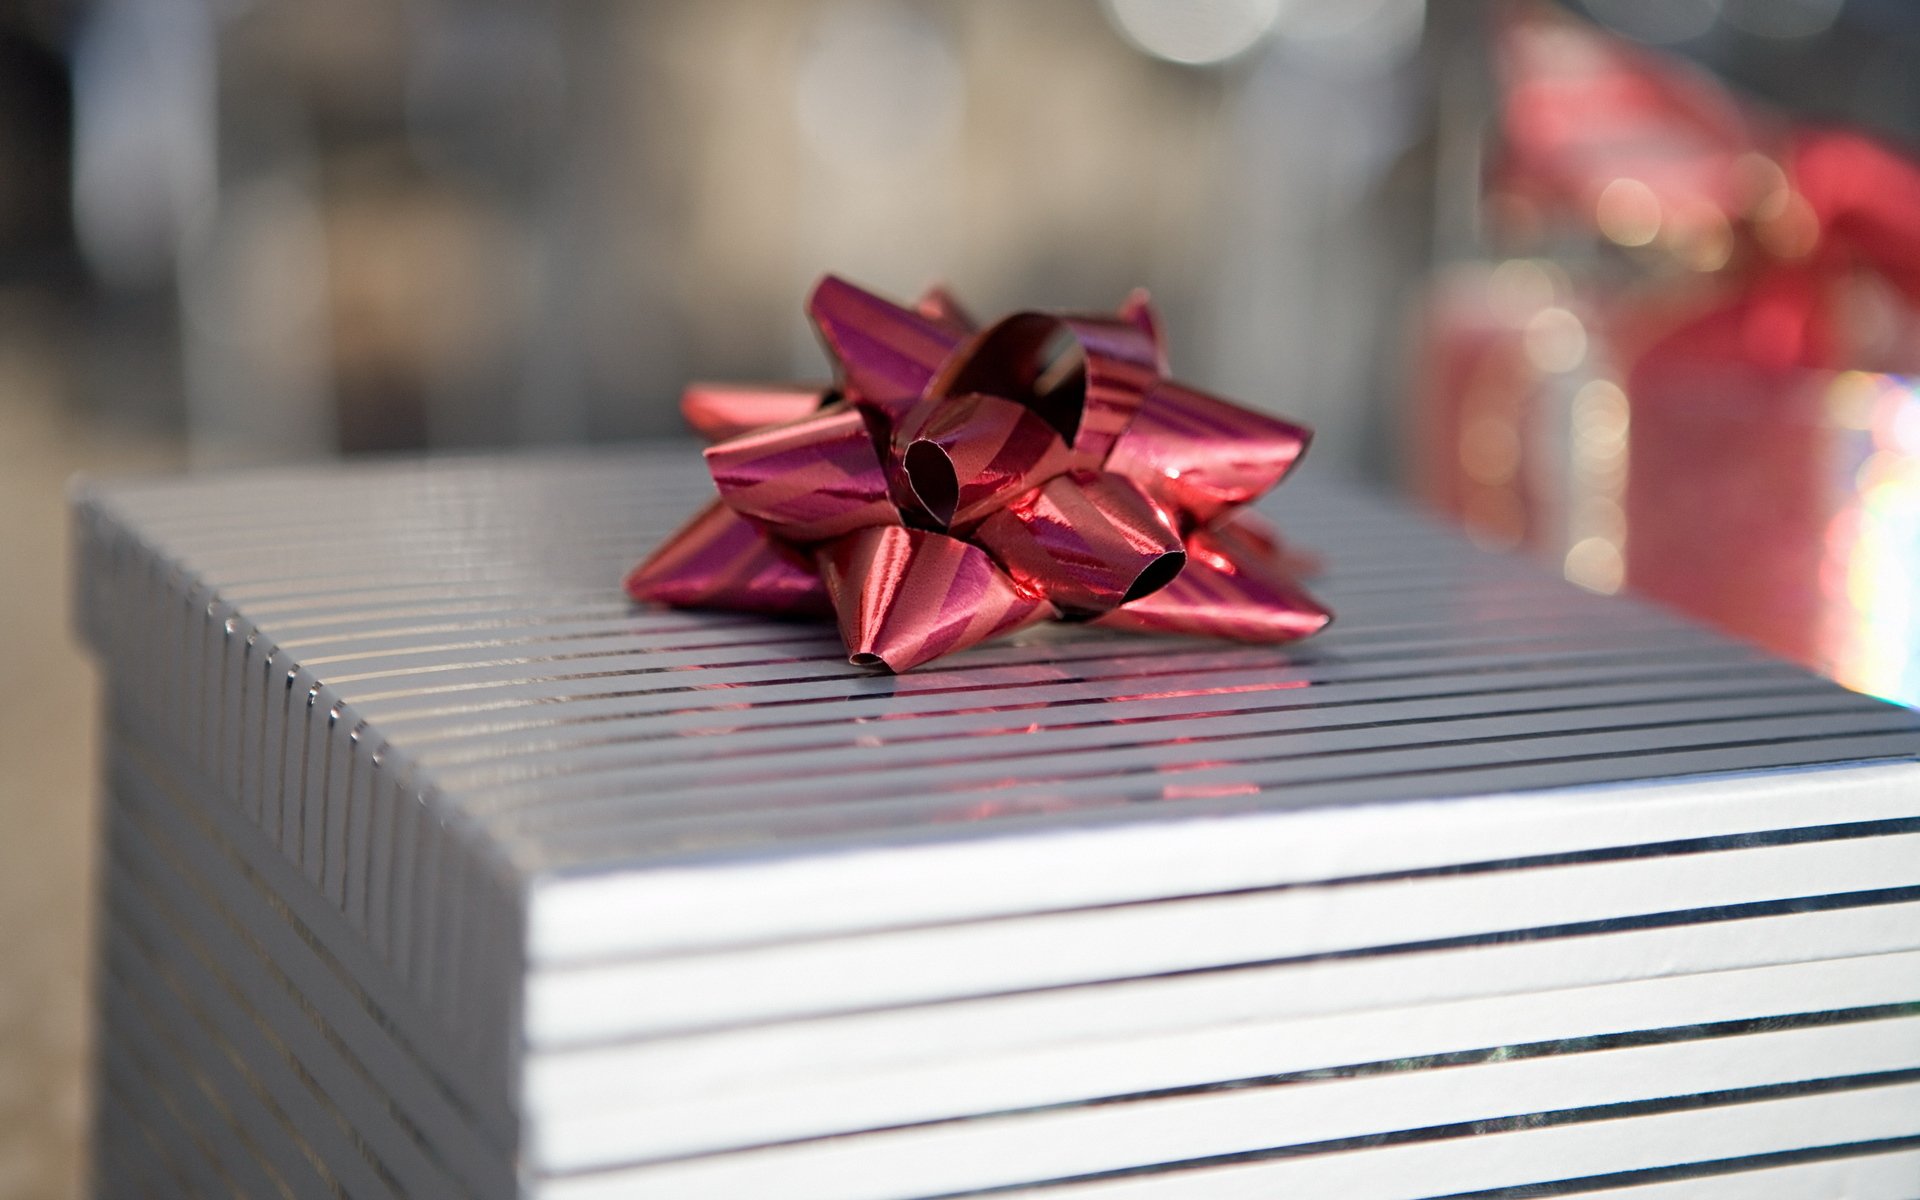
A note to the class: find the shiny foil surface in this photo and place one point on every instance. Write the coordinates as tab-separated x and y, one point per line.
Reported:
718	411
721	560
567	899
1087	376
811	479
958	483
1088	542
886	354
1201	455
974	451
906	596
1230	588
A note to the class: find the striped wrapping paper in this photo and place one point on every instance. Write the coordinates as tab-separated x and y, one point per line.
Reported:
434	868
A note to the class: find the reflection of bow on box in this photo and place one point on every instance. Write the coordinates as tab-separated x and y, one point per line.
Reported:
957	484
1646	147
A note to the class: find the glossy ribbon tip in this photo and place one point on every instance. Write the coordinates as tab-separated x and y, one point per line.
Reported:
1256	538
943	308
1088	542
1139	312
1226	591
1159	572
887	354
722	560
810	479
906	596
1201	455
955	486
718	411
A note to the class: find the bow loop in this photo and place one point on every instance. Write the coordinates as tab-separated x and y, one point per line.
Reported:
973	454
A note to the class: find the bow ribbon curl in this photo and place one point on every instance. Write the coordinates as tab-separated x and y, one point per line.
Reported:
959	483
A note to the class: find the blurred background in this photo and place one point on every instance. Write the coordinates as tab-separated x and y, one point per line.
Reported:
1629	285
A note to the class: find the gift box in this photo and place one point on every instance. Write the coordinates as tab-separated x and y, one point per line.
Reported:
435	867
1518	425
1606	217
1641	396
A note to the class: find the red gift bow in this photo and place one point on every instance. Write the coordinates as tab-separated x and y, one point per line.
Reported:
1584	110
957	484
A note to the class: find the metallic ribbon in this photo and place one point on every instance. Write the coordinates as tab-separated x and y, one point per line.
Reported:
718	411
956	484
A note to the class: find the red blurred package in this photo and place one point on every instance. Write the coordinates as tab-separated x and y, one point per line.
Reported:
1676	404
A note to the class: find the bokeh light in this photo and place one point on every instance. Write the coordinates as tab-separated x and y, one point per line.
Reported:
1871	591
1194	32
1628	212
1556	340
875	83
